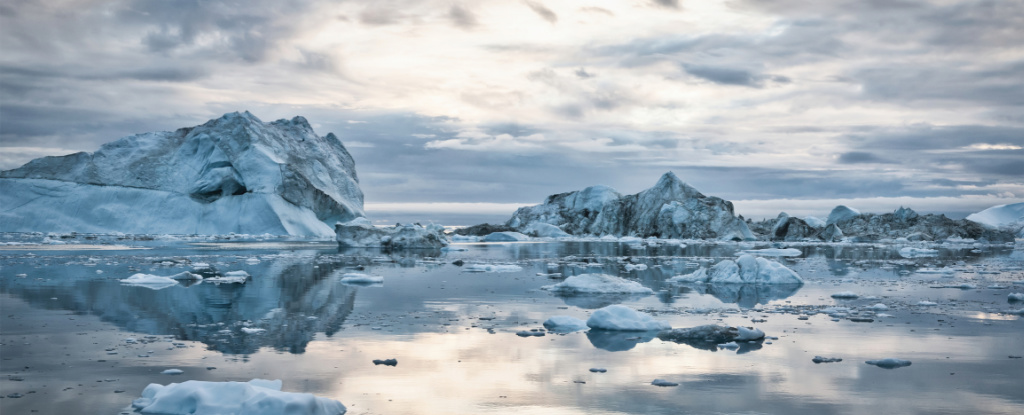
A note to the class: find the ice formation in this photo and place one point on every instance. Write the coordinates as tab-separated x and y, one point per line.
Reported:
564	324
154	282
711	334
621	318
744	270
232	174
255	397
670	209
889	363
505	237
361	279
597	284
360	232
1007	217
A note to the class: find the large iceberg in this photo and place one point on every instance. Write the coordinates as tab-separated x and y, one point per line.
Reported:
231	174
670	209
906	223
746	269
1008	217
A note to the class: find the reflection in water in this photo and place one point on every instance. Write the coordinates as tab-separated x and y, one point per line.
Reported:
282	307
619	341
747	295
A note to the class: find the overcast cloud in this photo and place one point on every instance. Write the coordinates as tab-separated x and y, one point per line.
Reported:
876	102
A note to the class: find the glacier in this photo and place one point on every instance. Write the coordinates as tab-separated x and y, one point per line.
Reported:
233	174
670	209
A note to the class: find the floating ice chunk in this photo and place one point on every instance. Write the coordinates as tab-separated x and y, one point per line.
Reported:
230	277
385	362
361	279
925	303
635	267
911	252
889	363
186	276
505	237
153	282
564	324
750	270
492	268
1015	297
819	359
622	318
172	372
878	307
711	334
530	333
729	346
255	397
845	295
663	382
252	330
774	252
597	284
700	275
598	370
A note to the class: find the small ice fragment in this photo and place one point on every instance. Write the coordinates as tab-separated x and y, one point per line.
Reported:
819	359
253	330
598	370
845	295
172	372
1015	297
889	363
924	303
385	362
663	382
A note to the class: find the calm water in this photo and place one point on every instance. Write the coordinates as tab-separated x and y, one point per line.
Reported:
74	339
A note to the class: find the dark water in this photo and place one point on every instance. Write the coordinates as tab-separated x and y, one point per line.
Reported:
74	339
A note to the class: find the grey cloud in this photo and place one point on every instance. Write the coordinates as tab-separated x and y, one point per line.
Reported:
379	16
582	73
856	157
674	4
542	11
462	17
1000	84
732	76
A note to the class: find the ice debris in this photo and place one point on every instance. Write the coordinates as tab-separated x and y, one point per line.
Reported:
889	363
255	397
360	232
564	324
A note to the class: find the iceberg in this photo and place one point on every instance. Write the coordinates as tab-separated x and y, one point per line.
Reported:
233	174
744	270
621	318
597	284
564	324
906	223
1009	217
670	209
255	397
360	232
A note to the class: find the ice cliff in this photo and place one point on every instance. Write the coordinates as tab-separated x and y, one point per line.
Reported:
670	209
231	174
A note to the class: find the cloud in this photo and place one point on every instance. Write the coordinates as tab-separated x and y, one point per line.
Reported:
542	11
672	4
462	17
732	76
856	157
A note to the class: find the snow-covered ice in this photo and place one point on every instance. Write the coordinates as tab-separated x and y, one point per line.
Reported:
154	282
597	284
505	237
285	178
565	324
361	279
255	397
492	268
748	269
621	318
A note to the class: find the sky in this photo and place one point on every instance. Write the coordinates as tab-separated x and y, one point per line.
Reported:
460	111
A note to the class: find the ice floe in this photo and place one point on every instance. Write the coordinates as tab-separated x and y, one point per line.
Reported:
255	397
621	318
